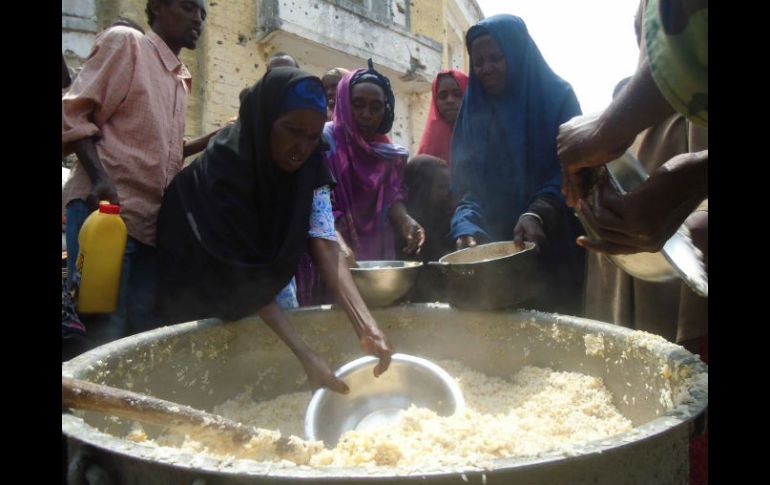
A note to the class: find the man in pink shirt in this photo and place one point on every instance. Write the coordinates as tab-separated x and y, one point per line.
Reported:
123	116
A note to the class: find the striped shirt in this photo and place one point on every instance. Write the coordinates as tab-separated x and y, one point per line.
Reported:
131	96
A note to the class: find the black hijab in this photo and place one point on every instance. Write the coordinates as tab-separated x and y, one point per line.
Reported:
233	225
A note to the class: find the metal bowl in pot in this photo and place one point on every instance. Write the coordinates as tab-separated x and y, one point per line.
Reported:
677	259
491	276
373	402
381	283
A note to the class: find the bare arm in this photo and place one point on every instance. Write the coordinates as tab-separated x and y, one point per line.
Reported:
318	372
592	141
349	254
336	274
102	187
413	233
197	145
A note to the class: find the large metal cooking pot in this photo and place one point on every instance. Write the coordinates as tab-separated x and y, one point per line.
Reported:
659	386
491	276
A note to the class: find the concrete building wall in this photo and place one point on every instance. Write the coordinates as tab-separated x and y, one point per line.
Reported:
445	21
78	23
408	40
428	18
228	60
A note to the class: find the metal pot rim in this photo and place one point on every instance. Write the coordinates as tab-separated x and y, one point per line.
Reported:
528	247
681	415
383	265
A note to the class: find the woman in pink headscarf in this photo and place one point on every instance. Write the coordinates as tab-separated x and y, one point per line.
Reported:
368	200
448	90
369	169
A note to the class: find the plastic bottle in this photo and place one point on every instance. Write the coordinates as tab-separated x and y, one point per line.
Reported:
102	241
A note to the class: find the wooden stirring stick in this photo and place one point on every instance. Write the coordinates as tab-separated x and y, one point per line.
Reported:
79	394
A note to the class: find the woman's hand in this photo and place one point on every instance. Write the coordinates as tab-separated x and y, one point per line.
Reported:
413	234
335	272
320	375
465	242
374	342
528	229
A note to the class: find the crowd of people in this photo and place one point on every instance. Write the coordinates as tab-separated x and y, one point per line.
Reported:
503	156
305	181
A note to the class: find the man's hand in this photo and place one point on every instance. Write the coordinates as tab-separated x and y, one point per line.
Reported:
645	218
584	142
698	224
102	189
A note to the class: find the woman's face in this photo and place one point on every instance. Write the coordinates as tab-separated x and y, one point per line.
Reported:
330	83
489	64
448	98
368	104
294	137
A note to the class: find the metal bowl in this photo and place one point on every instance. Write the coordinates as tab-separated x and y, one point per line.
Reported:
679	256
374	402
383	282
492	276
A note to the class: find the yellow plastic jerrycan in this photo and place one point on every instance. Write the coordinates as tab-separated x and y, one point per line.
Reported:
102	241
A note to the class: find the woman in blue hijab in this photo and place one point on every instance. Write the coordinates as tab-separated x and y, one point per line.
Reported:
505	168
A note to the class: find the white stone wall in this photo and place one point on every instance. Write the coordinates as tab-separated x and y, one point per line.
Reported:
349	32
78	28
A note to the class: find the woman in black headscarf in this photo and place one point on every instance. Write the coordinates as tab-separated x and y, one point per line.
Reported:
234	223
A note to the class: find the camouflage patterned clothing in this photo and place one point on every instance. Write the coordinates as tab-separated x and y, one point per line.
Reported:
677	48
